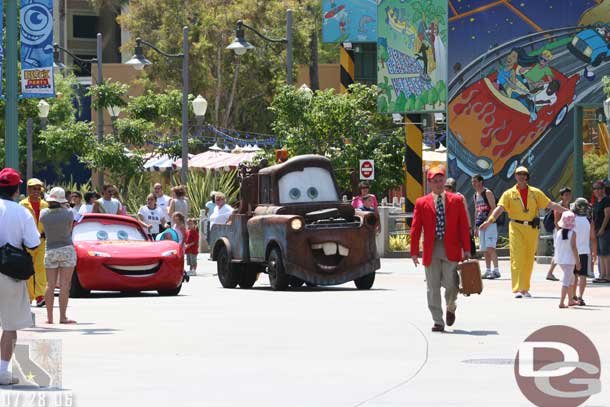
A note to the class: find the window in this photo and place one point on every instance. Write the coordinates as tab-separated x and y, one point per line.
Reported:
264	189
84	27
365	62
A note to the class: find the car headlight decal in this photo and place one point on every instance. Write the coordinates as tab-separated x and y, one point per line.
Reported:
169	253
588	52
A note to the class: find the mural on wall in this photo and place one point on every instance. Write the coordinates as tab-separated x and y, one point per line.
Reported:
412	55
518	68
349	21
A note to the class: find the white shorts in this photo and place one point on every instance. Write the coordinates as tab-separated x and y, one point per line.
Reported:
61	257
14	304
488	237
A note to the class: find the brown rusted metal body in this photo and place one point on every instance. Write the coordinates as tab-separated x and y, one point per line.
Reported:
335	244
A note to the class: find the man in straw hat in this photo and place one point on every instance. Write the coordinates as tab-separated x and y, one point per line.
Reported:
37	284
522	203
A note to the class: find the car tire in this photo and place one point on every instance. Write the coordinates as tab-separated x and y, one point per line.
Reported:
249	275
598	60
365	282
295	282
226	271
561	115
310	285
76	289
276	270
171	292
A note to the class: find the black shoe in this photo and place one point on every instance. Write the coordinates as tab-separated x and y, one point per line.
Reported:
450	318
438	328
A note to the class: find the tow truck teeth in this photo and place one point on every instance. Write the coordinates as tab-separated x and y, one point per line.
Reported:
331	248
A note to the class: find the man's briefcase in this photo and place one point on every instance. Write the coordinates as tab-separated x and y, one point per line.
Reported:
470	277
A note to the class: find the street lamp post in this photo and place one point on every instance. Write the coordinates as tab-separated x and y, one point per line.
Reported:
100	80
43	113
138	61
240	46
200	106
607	113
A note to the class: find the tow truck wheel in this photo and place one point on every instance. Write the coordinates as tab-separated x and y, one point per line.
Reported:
295	282
275	267
365	282
226	272
248	276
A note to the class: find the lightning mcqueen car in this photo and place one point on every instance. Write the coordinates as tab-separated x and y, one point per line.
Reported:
490	132
115	254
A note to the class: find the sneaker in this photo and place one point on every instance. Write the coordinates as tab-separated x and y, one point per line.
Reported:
497	274
488	275
527	294
7	379
518	295
40	302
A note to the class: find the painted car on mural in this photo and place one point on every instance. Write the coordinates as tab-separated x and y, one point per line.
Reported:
491	131
115	254
592	45
292	225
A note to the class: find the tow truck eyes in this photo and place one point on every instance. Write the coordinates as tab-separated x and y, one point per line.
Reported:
295	193
312	193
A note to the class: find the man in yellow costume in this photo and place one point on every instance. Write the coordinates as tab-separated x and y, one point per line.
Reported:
37	284
522	204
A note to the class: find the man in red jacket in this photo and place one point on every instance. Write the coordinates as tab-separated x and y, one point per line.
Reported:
442	217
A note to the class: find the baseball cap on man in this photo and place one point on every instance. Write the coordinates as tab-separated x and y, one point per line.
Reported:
434	171
10	177
35	182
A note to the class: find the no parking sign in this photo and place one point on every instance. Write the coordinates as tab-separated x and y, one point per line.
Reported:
367	170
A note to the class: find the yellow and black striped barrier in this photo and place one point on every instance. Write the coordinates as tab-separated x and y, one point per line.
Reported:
347	69
414	181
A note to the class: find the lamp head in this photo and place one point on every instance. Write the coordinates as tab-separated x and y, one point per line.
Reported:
607	108
43	109
200	106
239	45
138	60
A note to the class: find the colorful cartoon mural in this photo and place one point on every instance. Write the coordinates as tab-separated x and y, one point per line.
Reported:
349	21
518	68
412	55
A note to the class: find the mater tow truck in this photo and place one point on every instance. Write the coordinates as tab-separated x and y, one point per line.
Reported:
292	225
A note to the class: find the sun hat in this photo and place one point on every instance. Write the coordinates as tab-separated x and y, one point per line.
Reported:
9	177
567	221
57	194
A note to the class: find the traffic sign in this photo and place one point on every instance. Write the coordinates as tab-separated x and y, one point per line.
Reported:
367	170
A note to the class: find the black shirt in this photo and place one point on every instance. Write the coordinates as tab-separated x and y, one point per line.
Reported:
598	212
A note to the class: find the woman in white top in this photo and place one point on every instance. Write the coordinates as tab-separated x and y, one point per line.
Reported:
90	198
152	216
566	256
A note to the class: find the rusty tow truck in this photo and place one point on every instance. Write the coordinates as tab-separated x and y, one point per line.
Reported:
292	225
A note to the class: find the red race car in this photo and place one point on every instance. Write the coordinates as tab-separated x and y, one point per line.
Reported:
115	254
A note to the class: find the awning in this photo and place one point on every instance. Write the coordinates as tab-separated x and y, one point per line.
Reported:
218	160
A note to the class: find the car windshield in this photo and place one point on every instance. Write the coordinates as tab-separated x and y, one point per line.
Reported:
313	184
91	231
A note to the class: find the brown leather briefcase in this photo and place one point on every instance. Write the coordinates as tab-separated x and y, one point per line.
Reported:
470	277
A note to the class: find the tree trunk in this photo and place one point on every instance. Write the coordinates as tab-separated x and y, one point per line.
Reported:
220	49
225	122
314	78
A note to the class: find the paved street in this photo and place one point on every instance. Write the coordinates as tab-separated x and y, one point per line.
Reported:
312	347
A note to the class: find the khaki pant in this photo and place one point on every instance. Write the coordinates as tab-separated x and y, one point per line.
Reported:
441	273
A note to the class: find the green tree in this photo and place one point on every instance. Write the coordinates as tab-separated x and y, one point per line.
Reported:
321	123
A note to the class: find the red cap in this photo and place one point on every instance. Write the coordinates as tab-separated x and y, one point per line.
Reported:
9	177
436	170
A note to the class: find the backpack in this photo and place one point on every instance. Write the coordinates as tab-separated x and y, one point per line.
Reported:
549	221
501	221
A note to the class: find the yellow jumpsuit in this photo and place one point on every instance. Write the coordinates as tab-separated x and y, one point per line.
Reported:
523	239
37	284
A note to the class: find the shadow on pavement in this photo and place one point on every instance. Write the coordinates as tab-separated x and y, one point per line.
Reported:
473	333
319	289
85	331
